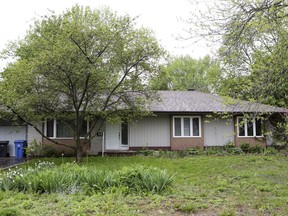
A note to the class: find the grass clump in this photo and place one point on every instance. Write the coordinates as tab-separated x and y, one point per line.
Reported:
72	178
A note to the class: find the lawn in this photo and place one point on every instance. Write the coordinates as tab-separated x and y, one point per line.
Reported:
202	185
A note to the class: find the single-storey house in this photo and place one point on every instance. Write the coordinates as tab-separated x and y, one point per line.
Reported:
180	120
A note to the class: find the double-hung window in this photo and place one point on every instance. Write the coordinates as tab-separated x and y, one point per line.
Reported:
58	129
251	127
186	126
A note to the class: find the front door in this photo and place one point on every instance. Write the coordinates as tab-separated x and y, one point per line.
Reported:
117	136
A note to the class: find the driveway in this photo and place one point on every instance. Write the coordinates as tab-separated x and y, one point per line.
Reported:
6	162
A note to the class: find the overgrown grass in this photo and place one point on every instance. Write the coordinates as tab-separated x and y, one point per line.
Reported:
202	185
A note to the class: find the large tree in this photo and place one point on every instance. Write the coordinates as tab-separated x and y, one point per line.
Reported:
252	36
80	66
184	72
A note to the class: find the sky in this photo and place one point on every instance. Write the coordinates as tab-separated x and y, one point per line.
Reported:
162	16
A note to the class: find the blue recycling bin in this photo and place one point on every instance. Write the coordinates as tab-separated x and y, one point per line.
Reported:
20	146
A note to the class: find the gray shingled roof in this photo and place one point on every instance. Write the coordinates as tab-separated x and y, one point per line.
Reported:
193	101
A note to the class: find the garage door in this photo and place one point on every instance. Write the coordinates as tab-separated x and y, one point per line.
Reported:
12	133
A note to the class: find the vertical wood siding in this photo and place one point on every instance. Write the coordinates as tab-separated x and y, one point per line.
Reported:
152	131
217	131
32	134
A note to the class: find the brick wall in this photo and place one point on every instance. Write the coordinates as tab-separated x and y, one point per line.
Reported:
62	149
182	143
252	140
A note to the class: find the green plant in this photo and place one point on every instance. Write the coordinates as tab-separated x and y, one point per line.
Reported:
9	212
270	151
34	148
71	178
235	150
187	208
257	149
229	144
245	147
215	150
146	152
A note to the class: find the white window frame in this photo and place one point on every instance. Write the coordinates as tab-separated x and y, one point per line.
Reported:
191	126
246	127
55	130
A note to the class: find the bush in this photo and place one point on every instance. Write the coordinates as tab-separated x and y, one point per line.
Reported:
37	149
146	152
257	149
229	144
235	150
245	147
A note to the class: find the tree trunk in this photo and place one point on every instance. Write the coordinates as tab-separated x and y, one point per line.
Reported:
79	155
79	151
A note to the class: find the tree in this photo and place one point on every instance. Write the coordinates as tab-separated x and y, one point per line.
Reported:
253	47
253	38
82	65
184	72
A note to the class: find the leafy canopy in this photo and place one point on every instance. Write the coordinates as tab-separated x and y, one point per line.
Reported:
78	65
184	72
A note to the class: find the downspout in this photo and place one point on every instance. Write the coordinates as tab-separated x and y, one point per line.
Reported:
103	143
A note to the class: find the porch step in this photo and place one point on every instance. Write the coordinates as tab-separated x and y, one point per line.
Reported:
119	153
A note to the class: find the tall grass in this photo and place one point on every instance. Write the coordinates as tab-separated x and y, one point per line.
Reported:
70	178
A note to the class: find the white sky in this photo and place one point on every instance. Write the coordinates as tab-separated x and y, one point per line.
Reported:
159	15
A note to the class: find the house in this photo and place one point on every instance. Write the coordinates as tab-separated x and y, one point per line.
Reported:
180	120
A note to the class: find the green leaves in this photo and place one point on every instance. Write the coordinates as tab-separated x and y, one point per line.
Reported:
184	72
71	178
78	64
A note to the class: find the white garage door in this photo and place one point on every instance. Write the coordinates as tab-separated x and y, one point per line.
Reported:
12	133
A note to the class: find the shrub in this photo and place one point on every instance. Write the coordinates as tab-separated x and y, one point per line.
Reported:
235	150
145	152
37	149
229	144
255	149
245	147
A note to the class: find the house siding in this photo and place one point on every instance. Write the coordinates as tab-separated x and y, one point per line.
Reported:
96	141
217	131
150	132
33	135
182	143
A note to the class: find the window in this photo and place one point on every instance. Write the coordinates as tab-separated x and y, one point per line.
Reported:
186	126
249	127
58	129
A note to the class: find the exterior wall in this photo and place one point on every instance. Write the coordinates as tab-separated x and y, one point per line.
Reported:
59	149
33	135
150	132
252	140
217	131
12	133
182	143
96	142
